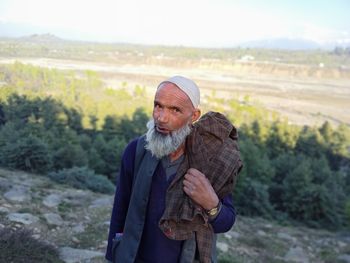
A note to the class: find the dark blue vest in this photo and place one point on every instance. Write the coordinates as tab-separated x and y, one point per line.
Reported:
126	247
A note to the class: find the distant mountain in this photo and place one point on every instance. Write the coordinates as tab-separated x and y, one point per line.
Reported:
28	32
283	43
46	38
11	29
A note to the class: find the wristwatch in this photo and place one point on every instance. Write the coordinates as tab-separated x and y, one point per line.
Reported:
214	211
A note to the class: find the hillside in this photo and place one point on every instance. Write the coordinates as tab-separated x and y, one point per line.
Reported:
76	222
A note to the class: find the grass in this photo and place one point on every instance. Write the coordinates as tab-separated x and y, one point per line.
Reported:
93	236
34	209
224	258
328	255
64	208
19	246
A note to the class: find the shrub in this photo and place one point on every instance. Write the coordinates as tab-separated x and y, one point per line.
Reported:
252	198
20	247
83	178
28	154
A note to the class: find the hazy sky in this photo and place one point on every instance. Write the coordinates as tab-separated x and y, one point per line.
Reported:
179	22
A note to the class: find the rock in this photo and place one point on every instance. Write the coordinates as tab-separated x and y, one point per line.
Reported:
36	236
323	242
102	202
103	245
296	254
344	258
4	184
341	244
235	234
75	240
79	228
4	210
52	200
76	197
53	219
222	246
23	218
72	255
261	233
18	194
71	216
227	235
286	236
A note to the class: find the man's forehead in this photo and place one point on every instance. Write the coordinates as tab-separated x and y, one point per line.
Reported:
169	88
186	85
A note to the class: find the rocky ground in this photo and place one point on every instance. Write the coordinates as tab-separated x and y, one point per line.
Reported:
76	222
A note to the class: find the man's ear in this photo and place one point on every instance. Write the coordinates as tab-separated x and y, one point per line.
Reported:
196	114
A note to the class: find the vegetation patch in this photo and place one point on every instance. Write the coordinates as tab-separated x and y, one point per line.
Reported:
19	246
83	178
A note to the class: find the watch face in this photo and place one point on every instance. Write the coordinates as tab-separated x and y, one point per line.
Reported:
213	211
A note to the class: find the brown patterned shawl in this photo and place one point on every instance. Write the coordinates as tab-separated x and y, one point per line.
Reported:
212	149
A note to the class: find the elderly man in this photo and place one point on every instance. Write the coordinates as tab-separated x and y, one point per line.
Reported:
175	184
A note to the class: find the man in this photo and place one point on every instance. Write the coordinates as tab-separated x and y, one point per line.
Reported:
175	183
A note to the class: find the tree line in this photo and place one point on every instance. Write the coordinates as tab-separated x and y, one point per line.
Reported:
290	173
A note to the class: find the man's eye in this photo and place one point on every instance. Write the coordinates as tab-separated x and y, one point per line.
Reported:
176	110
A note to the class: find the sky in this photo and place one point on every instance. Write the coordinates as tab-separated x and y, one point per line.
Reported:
199	23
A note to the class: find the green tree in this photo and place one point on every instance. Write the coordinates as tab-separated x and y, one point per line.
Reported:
257	165
326	131
112	157
110	128
282	138
96	162
28	154
2	115
139	121
68	156
296	184
252	198
310	143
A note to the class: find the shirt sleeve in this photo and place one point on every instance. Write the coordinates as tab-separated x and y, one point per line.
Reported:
122	195
226	217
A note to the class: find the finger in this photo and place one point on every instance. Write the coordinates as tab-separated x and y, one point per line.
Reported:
188	176
188	190
195	172
187	183
192	171
197	180
191	178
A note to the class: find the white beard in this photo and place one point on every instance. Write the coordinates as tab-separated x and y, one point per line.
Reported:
161	145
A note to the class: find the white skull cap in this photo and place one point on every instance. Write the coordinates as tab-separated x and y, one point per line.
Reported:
186	85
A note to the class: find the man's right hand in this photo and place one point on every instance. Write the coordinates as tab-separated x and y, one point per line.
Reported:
199	189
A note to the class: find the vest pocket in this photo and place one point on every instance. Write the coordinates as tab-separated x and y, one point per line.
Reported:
116	241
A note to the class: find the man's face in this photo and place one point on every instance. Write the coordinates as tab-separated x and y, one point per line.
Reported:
172	109
173	113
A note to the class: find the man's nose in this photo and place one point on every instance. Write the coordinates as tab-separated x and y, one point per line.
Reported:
163	116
